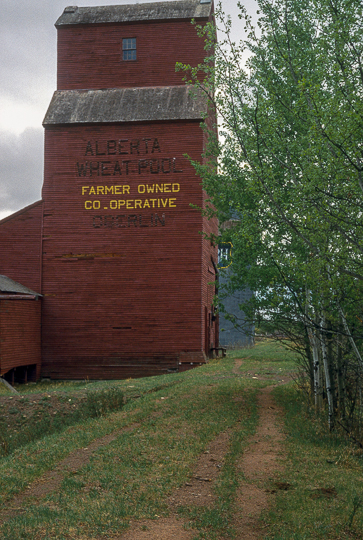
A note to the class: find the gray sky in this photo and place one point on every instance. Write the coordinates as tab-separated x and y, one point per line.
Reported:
28	79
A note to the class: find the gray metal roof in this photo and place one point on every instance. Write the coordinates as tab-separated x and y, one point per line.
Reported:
8	285
125	105
185	9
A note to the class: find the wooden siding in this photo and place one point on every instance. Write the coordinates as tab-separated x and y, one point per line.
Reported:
115	246
20	334
20	248
123	272
89	57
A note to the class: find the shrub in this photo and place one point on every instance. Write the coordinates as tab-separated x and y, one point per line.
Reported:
101	402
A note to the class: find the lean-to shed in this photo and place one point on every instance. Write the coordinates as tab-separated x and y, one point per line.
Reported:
20	328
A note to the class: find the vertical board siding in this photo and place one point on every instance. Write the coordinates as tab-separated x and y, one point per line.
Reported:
19	334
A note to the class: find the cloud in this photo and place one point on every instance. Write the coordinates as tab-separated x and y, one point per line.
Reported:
21	168
28	78
28	48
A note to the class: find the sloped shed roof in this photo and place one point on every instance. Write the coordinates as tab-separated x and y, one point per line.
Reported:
186	9
8	285
125	105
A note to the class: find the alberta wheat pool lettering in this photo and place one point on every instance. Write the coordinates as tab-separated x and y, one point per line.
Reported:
127	157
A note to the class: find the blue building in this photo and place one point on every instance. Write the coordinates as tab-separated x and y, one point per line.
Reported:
237	331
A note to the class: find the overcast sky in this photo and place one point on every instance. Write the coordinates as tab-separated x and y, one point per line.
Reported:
28	80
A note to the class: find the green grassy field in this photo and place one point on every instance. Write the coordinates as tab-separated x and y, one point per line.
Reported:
171	421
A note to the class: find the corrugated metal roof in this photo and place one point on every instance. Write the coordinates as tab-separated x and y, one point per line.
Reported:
186	9
8	285
125	105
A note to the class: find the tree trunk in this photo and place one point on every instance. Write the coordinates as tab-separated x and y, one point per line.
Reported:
340	380
316	368
328	385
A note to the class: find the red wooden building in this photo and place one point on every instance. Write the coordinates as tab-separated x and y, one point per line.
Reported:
20	315
115	244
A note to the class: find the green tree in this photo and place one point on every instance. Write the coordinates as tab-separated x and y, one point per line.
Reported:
289	164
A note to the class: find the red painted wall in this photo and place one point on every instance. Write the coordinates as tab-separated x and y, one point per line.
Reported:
115	246
89	57
20	335
124	277
20	249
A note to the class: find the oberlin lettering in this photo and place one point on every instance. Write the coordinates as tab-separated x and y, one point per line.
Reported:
130	221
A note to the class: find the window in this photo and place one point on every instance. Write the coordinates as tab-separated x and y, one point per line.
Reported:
129	49
225	255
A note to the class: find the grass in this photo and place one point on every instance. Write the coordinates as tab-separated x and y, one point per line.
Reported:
25	420
131	477
171	420
325	472
268	351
